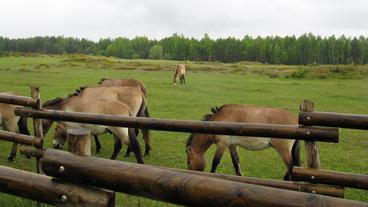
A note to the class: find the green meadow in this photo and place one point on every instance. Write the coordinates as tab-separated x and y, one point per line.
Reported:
333	88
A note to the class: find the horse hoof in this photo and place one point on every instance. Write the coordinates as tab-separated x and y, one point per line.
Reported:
10	158
147	154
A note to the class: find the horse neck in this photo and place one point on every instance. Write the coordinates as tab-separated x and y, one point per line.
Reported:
200	144
62	104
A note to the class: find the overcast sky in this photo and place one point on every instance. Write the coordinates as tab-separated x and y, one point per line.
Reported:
95	19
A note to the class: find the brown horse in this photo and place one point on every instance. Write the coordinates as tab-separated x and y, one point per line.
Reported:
131	96
198	144
76	103
139	85
123	83
179	71
9	122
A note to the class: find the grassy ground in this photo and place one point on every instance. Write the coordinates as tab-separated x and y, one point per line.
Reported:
339	89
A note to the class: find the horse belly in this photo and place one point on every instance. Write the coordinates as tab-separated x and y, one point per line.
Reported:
95	129
251	143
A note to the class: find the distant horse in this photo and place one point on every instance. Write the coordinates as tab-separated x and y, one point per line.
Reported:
9	122
179	71
131	96
76	103
198	144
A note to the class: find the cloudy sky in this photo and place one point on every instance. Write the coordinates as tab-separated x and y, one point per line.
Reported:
95	19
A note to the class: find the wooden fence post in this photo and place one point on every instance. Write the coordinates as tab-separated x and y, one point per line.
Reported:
310	146
37	128
79	141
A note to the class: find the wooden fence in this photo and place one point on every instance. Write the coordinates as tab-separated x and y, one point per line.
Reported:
82	180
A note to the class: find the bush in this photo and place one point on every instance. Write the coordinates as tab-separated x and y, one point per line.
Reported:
300	73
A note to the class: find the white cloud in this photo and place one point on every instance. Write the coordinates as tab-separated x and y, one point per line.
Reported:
96	19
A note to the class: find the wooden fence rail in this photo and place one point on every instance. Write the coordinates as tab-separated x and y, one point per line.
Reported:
20	138
331	177
352	121
209	127
52	191
18	100
175	187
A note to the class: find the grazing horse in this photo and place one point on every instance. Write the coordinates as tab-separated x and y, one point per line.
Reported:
131	96
9	122
139	85
198	144
179	71
123	83
76	103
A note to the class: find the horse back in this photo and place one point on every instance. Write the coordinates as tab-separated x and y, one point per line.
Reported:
254	114
124	83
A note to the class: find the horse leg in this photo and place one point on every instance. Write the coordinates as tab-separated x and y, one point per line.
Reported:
134	144
284	149
98	144
13	152
117	148
128	136
147	143
11	127
235	159
217	158
128	151
183	79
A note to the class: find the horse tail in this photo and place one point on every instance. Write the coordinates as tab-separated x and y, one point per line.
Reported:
143	112
22	125
295	153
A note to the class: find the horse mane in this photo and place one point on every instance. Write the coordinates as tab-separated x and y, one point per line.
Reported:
102	80
52	102
214	110
206	117
57	100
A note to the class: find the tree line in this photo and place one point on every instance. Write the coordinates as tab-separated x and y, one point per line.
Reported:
305	49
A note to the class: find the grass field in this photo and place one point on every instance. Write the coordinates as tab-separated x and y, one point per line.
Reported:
332	88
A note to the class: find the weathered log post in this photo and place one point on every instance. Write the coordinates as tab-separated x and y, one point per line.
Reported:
310	146
37	123
79	141
37	127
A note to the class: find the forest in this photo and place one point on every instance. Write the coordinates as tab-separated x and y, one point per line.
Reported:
290	50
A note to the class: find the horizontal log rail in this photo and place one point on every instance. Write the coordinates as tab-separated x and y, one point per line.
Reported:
20	138
331	177
208	127
352	121
321	189
52	191
18	100
175	187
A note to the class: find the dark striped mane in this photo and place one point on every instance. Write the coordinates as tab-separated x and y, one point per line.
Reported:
57	100
206	117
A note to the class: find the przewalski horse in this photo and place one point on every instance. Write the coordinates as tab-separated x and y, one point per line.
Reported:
124	82
139	85
179	71
198	144
131	96
75	103
9	122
